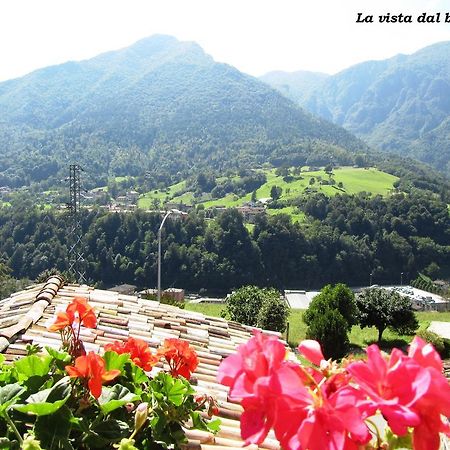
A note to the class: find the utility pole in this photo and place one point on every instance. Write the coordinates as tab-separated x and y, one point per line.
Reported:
168	213
75	253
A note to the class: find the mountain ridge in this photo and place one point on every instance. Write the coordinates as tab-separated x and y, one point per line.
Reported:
392	104
159	103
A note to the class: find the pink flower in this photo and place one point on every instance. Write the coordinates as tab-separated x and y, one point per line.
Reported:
333	423
393	384
268	386
435	403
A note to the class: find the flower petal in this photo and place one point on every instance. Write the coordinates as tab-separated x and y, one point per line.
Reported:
311	351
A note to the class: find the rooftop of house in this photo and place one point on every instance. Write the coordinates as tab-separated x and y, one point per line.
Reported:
25	315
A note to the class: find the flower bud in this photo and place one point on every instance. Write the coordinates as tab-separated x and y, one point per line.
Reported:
30	443
126	444
140	416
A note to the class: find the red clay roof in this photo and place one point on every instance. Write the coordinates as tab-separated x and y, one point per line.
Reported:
24	318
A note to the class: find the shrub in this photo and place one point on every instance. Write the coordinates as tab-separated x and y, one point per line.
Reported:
248	305
339	297
243	305
330	330
273	314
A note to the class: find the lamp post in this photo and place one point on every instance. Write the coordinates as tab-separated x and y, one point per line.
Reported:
401	278
370	279
168	213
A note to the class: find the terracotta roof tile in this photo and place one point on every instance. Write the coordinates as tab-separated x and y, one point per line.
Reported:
24	318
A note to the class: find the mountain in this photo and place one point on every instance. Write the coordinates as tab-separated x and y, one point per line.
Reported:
160	107
298	86
400	105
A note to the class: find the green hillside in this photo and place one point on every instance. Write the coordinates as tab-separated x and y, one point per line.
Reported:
346	180
146	200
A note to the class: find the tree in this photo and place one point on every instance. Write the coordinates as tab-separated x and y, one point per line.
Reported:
338	297
328	169
360	161
330	329
275	192
329	317
253	306
381	308
273	313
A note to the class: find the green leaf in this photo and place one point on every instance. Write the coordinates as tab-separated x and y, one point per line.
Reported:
136	374
398	442
112	430
114	361
9	395
200	423
47	401
6	375
214	425
33	365
115	397
175	390
2	358
40	409
53	431
32	349
59	356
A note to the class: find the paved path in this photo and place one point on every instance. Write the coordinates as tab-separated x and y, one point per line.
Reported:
440	328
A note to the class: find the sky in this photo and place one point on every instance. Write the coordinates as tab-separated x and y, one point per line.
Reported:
256	36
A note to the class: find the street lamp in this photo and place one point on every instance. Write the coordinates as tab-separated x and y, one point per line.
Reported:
401	278
168	213
370	280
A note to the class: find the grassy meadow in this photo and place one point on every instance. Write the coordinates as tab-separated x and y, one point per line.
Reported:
359	337
353	180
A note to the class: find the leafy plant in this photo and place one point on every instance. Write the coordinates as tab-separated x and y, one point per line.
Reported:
69	399
330	329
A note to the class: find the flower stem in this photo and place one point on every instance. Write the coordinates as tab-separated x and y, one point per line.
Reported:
376	431
13	427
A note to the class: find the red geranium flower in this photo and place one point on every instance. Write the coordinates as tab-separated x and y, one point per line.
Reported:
138	350
91	368
181	358
333	422
63	320
78	310
86	314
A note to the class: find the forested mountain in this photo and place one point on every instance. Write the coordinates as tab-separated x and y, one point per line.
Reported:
160	106
401	104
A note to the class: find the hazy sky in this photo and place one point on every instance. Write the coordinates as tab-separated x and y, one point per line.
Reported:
256	36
